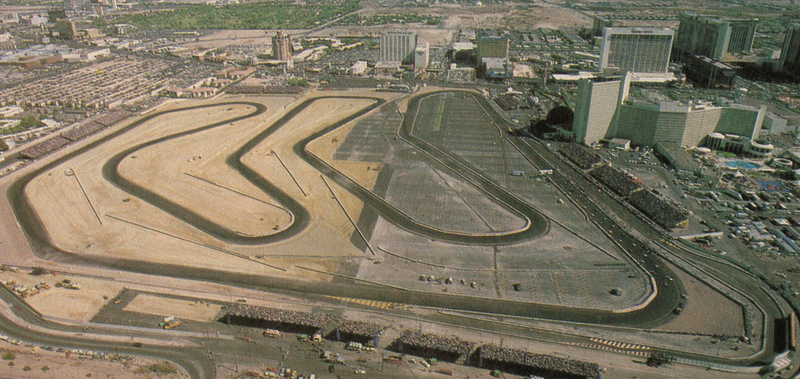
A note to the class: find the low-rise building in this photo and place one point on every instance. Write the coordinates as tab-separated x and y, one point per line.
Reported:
359	68
739	145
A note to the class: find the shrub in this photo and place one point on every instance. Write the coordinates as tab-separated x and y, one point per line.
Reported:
163	368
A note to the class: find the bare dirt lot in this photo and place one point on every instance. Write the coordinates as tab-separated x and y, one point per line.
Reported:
182	309
77	304
25	362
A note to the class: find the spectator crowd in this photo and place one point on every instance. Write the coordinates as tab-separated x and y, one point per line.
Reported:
657	209
82	131
580	155
505	355
618	181
256	89
435	342
361	328
44	147
74	134
314	320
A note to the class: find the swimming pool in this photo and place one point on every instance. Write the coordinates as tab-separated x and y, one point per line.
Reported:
744	165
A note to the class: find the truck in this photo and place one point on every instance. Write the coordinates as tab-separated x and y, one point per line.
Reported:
172	324
169	322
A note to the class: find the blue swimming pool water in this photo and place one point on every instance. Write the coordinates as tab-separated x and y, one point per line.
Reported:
743	165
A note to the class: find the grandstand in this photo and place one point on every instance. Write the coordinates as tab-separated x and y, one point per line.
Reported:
618	181
526	363
82	131
112	117
244	89
359	331
449	349
273	318
580	155
257	89
44	147
658	210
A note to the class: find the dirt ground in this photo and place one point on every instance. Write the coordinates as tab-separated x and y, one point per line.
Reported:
364	173
182	309
224	38
41	364
73	304
191	171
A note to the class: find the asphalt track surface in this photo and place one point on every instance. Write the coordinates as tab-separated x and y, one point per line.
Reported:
656	312
536	224
191	359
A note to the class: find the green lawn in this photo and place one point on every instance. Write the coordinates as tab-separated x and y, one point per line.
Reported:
266	15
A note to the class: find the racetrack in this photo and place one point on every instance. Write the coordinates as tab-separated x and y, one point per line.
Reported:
163	216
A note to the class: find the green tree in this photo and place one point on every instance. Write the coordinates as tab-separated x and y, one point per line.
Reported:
298	82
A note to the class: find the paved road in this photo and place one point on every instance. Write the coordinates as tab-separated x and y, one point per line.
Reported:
47	333
579	188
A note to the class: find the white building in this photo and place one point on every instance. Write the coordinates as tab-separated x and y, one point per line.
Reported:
10	111
396	46
597	107
422	56
359	68
642	51
38	19
9	18
604	111
739	145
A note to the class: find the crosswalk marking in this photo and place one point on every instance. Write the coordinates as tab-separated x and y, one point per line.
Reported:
638	353
373	303
621	345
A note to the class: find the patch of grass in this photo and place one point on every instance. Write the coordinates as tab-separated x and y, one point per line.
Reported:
261	15
9	356
26	368
26	123
163	368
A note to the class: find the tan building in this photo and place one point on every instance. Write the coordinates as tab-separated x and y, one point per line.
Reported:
638	50
603	112
282	46
396	46
66	29
492	46
646	123
596	111
713	37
